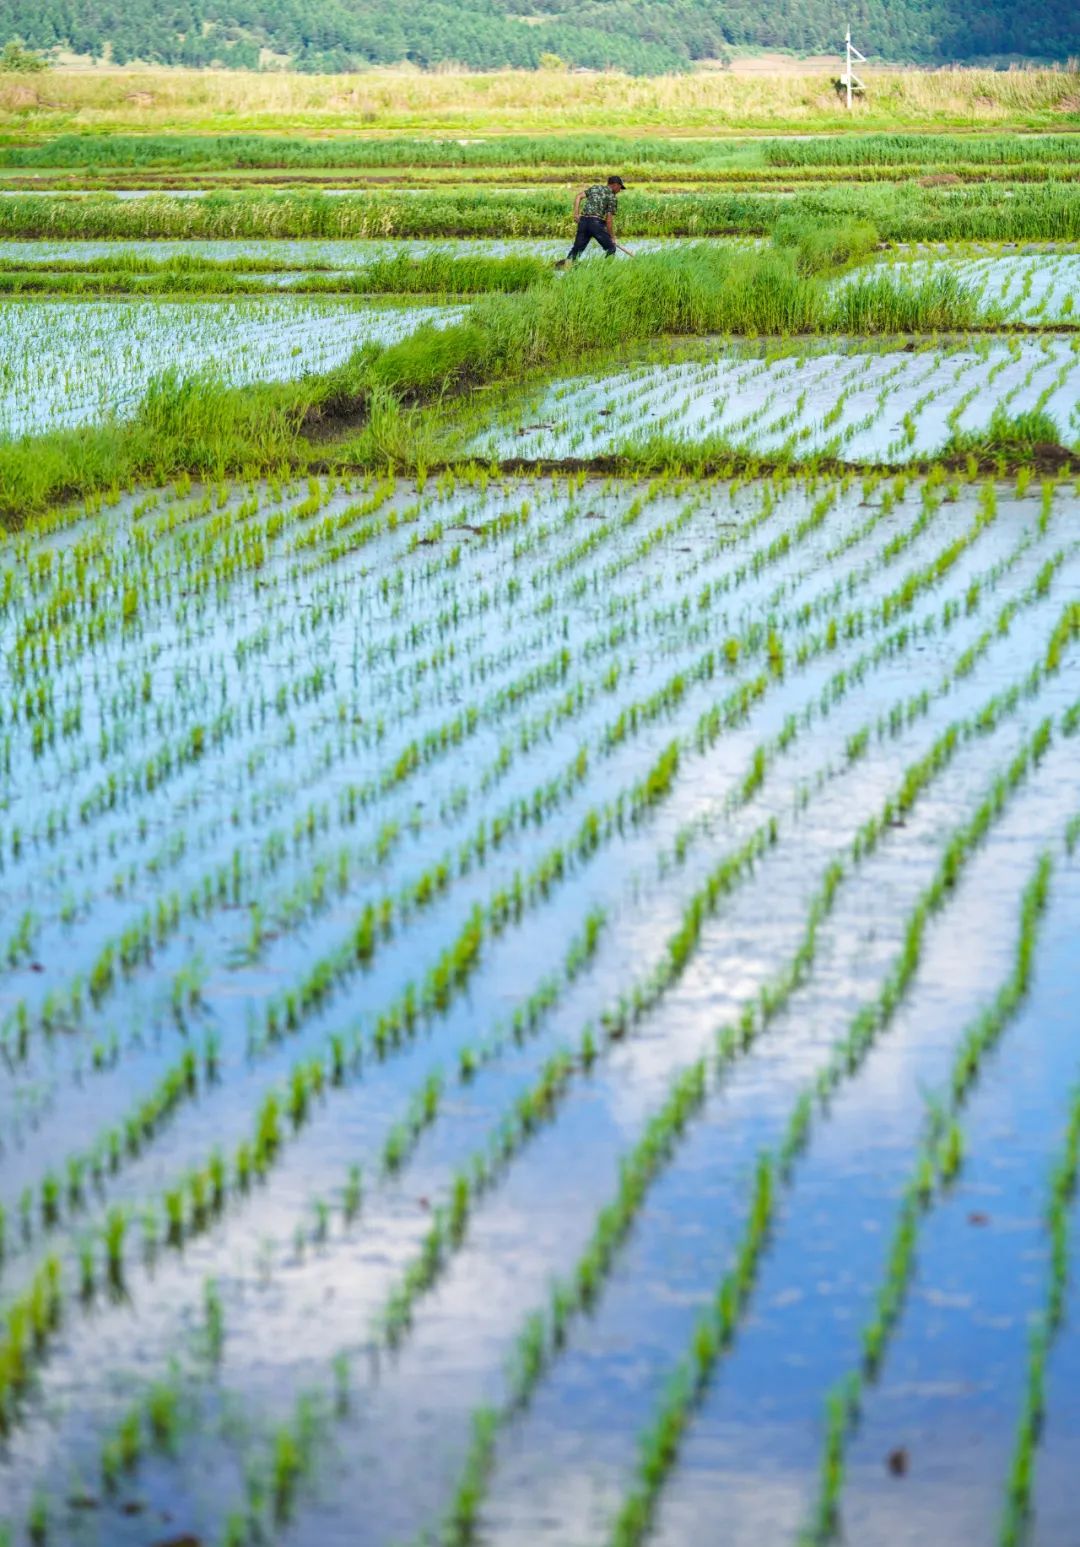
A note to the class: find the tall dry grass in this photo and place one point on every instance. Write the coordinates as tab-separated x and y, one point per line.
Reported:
156	100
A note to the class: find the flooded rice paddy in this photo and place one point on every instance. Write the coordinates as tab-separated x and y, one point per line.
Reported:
73	363
1032	288
541	1010
859	403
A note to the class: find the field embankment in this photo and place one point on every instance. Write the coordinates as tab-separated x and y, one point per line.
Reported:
901	212
89	162
399	399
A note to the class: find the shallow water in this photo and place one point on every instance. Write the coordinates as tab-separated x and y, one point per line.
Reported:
318	647
858	404
71	363
1025	287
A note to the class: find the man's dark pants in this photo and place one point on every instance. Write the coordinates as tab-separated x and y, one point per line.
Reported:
589	229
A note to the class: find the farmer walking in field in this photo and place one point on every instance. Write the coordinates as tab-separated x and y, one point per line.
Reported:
594	211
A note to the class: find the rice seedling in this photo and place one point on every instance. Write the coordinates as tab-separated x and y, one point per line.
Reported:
37	1523
214	1316
1017	1507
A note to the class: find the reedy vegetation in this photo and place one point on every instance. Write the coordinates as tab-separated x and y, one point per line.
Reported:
200	427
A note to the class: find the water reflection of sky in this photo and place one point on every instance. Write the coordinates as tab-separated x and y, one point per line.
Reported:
950	1389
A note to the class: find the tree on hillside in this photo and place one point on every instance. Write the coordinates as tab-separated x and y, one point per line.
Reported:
639	36
16	58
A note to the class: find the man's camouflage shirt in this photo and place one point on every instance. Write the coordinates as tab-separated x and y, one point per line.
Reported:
599	202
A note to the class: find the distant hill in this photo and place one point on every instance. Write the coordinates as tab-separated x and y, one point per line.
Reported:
643	37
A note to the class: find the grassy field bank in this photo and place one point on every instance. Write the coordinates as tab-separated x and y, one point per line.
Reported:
381	101
90	161
901	212
402	402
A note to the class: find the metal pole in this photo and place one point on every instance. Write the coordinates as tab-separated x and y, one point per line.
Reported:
848	42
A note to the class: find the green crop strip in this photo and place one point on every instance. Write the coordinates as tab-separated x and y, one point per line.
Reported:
901	211
203	152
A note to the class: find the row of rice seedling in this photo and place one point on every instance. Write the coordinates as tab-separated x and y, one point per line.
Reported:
545	1332
433	274
198	1205
1017	1510
904	149
936	1166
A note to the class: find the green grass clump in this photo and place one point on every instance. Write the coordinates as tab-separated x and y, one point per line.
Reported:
882	302
821	248
1008	434
219	152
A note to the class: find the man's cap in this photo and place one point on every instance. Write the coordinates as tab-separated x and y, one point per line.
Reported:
618	180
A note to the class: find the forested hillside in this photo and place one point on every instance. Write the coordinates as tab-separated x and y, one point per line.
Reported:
639	36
